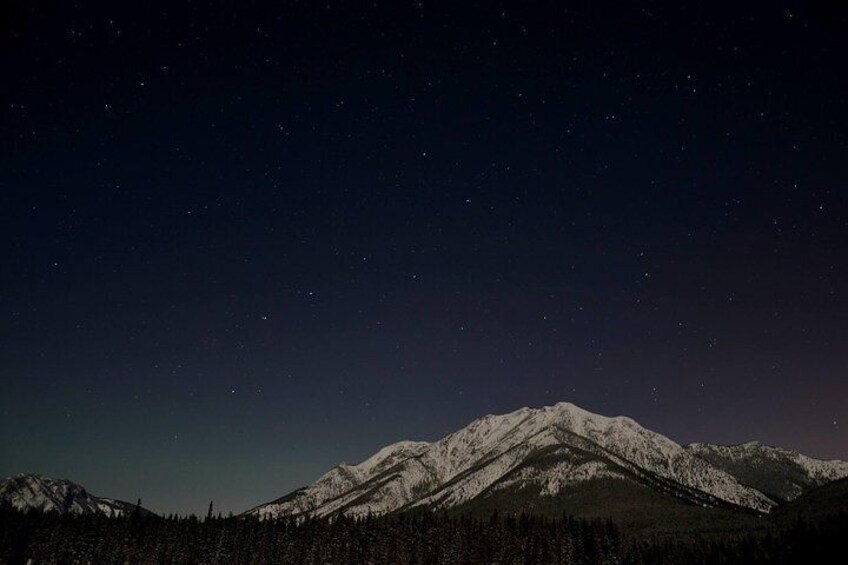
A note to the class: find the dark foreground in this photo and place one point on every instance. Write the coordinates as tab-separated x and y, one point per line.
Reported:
414	539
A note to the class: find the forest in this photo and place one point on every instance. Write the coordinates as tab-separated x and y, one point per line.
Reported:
406	539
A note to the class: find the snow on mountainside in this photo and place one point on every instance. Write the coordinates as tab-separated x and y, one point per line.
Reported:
778	472
34	492
498	452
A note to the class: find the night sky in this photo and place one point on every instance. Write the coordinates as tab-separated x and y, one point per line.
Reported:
242	243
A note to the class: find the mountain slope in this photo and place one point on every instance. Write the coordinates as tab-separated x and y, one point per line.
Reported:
780	473
34	492
815	505
544	453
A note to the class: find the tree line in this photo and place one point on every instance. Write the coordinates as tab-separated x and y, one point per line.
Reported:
409	539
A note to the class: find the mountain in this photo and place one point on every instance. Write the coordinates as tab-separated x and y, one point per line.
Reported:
552	459
781	474
34	492
816	505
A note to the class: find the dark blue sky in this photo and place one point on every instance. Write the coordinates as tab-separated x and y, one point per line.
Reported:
244	242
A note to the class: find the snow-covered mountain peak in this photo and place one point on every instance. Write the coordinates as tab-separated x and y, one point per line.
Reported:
27	491
501	451
531	420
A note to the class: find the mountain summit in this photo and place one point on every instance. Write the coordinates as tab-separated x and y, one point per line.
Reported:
559	458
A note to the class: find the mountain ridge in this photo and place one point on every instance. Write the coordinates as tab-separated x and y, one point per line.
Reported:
29	491
781	473
491	454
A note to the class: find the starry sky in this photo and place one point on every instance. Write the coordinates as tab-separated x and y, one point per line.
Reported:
244	242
